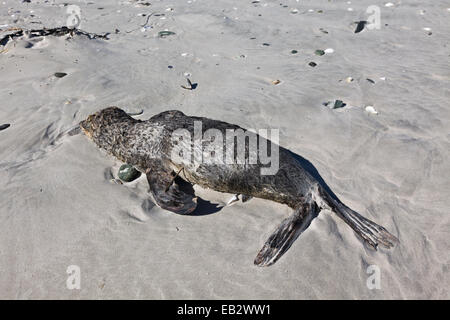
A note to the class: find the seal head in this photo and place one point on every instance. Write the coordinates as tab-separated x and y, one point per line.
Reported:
96	124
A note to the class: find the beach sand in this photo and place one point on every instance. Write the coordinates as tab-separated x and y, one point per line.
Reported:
58	206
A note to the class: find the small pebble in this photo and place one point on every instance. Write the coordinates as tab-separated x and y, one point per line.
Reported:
338	104
389	4
348	79
294	51
60	74
329	50
4	126
319	52
312	64
275	82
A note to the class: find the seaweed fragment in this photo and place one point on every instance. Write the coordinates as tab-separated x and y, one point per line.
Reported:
57	32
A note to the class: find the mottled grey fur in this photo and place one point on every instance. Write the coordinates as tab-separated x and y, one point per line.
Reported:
148	145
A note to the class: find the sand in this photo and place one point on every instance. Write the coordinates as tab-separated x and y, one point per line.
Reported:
58	206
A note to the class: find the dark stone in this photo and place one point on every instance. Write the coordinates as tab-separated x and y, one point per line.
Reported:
128	173
339	104
360	26
319	52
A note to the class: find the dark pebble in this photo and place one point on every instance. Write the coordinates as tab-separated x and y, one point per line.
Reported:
312	64
338	104
319	52
60	74
4	126
360	26
294	51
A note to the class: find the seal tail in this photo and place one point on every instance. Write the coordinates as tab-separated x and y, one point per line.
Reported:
372	233
286	233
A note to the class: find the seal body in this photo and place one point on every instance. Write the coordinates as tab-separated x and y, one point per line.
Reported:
150	146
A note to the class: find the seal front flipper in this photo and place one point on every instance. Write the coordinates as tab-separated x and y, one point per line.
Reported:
285	234
170	192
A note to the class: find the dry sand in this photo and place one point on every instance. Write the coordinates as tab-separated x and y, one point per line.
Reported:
58	206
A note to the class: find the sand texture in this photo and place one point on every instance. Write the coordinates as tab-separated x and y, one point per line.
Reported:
58	206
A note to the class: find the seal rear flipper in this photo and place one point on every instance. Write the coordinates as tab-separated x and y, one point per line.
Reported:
285	234
372	233
170	192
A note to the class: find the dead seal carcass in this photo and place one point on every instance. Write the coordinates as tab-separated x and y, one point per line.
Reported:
149	146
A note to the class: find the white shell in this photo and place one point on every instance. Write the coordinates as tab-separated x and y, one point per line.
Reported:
371	109
329	50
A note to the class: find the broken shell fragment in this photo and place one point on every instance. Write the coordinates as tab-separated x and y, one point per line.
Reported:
163	34
371	109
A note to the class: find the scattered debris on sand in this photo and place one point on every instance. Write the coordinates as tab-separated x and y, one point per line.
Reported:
58	32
